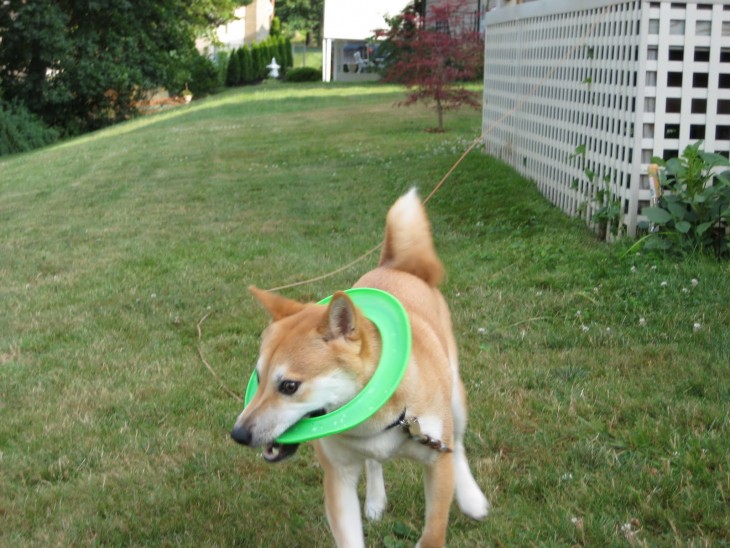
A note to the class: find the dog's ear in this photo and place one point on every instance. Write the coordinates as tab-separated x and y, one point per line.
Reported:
277	306
342	317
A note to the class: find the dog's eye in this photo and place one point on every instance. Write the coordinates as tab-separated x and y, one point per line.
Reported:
288	387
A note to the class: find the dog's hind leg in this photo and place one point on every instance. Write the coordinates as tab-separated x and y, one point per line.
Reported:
469	496
375	498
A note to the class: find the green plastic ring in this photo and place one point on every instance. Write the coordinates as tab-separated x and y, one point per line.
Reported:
389	316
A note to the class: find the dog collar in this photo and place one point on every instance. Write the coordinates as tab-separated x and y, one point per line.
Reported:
391	320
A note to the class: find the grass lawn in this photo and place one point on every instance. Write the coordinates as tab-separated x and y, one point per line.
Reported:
307	57
599	384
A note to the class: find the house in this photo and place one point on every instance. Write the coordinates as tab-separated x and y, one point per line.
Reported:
251	24
347	54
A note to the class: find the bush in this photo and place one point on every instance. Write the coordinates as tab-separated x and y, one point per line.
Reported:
233	76
303	74
247	75
221	63
203	76
21	130
693	211
289	54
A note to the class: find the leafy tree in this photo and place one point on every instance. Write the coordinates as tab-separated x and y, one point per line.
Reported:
433	56
305	16
275	29
80	64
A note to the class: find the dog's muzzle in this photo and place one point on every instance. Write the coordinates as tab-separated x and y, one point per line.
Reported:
273	452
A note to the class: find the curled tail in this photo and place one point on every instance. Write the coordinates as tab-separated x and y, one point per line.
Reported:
408	243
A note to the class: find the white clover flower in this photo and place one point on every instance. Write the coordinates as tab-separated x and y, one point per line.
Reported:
653	268
153	296
664	284
481	331
685	290
584	328
694	282
578	313
633	270
642	322
608	330
696	327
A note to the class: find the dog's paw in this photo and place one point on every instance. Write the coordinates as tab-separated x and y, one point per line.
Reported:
374	510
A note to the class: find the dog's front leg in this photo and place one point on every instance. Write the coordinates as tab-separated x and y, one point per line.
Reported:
375	499
439	486
341	501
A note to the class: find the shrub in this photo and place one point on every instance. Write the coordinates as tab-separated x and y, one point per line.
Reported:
203	75
303	74
247	75
288	53
233	76
259	65
221	63
693	211
21	131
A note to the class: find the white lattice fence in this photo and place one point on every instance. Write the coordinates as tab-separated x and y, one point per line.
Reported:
598	87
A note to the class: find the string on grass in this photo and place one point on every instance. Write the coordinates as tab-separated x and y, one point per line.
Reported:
208	366
518	105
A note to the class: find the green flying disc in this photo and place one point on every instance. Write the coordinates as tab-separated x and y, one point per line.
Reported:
391	319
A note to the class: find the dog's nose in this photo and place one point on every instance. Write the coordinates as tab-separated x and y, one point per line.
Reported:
241	434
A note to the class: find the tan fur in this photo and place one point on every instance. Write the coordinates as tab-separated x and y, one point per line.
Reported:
334	350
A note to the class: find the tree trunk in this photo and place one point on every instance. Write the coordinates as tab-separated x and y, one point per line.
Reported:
440	113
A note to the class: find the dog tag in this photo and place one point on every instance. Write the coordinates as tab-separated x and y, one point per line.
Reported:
413	427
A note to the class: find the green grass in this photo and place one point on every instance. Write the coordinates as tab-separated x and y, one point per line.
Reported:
587	426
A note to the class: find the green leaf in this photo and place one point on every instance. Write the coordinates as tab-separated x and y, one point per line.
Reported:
701	229
677	209
657	242
713	159
683	227
657	215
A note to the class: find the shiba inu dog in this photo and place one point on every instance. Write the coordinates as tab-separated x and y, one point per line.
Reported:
315	358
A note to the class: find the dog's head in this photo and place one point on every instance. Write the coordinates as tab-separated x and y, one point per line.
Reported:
313	359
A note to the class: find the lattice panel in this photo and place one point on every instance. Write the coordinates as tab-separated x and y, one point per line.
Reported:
590	87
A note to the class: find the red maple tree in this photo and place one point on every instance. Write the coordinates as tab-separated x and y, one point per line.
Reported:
433	56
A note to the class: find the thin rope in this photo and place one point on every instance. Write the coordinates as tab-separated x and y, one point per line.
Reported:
471	147
480	139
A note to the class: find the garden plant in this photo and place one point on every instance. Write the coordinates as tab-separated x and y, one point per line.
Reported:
693	210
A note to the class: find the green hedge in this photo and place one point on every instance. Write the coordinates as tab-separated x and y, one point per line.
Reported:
247	65
303	74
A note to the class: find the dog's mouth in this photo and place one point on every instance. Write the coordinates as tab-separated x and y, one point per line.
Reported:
277	452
